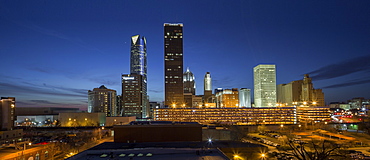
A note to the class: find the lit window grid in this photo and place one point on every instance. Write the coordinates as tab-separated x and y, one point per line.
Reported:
251	116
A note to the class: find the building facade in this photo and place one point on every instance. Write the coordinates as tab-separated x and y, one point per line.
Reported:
245	97
7	113
134	101
265	85
207	88
189	82
173	64
300	92
227	98
103	100
247	116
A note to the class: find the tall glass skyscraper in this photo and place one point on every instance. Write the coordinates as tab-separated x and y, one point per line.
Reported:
264	85
173	65
138	64
134	85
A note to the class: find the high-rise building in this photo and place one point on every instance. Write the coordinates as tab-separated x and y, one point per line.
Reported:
300	92
103	100
138	63
207	88
173	64
189	82
7	113
133	99
288	94
264	85
138	66
227	98
245	97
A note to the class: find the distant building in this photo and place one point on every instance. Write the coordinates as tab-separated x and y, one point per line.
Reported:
311	95
153	106
119	104
7	113
173	64
103	100
111	121
82	119
359	102
135	102
300	92
227	98
207	88
189	82
265	85
342	105
188	100
245	98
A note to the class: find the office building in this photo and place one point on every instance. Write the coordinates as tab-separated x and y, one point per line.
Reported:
288	94
189	82
138	62
300	92
152	107
173	64
227	98
207	88
245	97
103	100
264	85
133	99
7	113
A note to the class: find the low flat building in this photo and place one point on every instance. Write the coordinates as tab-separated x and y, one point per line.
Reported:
217	150
111	121
313	113
247	116
157	132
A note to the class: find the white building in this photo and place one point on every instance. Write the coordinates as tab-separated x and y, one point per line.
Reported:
264	85
245	97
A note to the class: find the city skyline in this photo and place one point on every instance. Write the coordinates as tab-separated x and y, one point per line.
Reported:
54	52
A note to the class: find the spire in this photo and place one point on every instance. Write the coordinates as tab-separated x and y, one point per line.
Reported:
187	69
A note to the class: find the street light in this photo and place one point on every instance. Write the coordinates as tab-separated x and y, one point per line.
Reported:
263	156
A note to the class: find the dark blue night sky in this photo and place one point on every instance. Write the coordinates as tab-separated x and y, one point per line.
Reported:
52	52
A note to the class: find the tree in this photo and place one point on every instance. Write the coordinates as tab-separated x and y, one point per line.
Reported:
322	150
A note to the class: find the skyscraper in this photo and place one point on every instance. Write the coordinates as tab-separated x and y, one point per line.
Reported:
245	97
300	92
102	99
138	66
207	87
133	99
189	82
264	85
173	64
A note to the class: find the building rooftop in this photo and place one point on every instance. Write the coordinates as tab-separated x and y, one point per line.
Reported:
162	150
